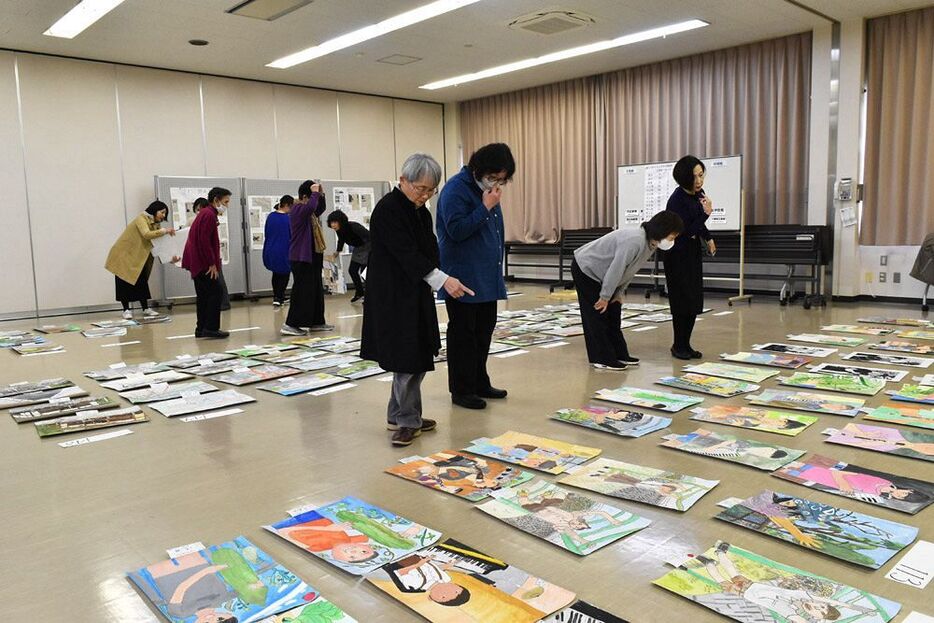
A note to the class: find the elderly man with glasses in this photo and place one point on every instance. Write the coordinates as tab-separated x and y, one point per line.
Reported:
400	322
471	237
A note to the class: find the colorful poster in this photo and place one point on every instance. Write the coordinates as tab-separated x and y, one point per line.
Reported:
574	522
795	349
765	420
301	383
883	374
616	421
123	371
90	420
923	394
829	340
39	349
260	207
829	475
25	387
201	402
168	392
183	362
853	328
145	380
61	408
20	338
254	350
701	383
357	370
210	367
465	476
916	335
903	322
773	360
317	609
843	383
451	582
853	537
541	453
750	588
734	449
902	414
890	360
234	581
245	376
728	371
572	331
110	324
40	396
353	535
808	401
661	401
883	439
583	612
323	361
637	483
58	328
98	333
900	346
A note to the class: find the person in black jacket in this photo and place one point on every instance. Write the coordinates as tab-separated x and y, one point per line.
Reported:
400	322
684	267
357	237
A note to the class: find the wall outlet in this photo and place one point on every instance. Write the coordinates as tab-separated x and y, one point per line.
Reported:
881	277
896	277
868	277
883	260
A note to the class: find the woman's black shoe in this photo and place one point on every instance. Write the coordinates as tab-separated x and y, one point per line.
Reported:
679	355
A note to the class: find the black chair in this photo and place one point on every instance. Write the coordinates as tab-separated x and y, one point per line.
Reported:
570	241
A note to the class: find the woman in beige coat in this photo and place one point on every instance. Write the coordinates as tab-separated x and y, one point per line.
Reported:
130	259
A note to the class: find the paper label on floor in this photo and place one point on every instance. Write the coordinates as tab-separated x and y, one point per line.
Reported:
411	459
49	352
180	337
298	510
729	502
554	345
917	617
243	329
723	313
210	416
115	366
89	413
386	379
646	328
916	567
511	353
120	344
181	550
94	438
335	388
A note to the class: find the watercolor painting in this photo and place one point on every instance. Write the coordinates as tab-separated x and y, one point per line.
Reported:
301	383
729	371
122	371
902	414
253	350
854	328
734	449
90	421
795	349
701	383
40	396
264	372
843	383
828	340
900	493
541	453
357	370
353	535
923	394
109	324
883	374
59	328
168	392
68	406
527	339
210	368
637	397
145	380
841	533
38	349
902	322
900	346
100	332
451	582
26	387
572	521
233	581
201	402
907	443
323	361
773	360
469	477
637	483
583	612
765	420
317	609
916	334
184	362
750	588
890	360
620	422
808	401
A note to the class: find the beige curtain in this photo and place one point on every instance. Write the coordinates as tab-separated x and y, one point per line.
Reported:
898	207
570	137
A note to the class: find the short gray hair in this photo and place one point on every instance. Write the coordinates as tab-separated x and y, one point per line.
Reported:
418	167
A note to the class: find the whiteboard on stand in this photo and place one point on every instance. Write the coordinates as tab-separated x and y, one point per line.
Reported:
643	191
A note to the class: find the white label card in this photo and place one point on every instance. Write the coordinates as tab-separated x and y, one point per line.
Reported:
645	328
243	329
115	366
298	510
723	313
554	345
917	617
512	353
241	369
916	567
94	438
729	502
210	416
159	387
335	388
181	550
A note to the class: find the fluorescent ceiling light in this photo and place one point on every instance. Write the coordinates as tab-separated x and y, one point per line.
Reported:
420	14
599	46
83	15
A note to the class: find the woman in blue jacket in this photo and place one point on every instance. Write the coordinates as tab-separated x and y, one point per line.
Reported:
276	249
470	238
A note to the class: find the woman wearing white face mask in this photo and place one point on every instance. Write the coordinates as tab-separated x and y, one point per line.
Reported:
602	269
202	258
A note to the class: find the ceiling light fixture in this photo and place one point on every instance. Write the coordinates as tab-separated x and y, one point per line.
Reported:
85	13
599	46
420	14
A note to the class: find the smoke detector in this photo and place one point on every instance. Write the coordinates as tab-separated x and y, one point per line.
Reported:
552	22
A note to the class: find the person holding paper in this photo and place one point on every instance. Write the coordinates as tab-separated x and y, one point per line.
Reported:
130	258
306	253
202	258
276	237
400	322
684	265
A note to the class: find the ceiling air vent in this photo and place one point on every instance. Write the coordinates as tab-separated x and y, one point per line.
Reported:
552	22
268	10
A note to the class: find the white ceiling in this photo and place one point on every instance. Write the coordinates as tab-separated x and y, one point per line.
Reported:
155	33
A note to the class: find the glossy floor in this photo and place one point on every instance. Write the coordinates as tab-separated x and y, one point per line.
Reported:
76	519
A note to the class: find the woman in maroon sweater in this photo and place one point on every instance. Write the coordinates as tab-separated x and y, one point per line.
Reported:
202	258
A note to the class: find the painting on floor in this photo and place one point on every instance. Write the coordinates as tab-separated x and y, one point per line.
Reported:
753	418
470	477
620	422
541	453
734	449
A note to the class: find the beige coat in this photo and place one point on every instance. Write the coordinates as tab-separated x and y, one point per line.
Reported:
132	249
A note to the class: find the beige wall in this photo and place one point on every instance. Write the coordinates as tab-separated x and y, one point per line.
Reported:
95	135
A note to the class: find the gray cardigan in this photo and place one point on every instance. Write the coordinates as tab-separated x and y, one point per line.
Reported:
614	259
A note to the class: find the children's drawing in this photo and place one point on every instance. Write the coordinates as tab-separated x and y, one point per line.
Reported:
808	401
637	397
795	349
883	374
451	582
90	421
527	339
123	372
264	349
198	403
301	383
26	387
656	317
853	328
620	422
469	477
766	420
317	609
263	372
827	340
750	588
841	533
571	521
67	406
43	395
900	346
323	361
583	612
37	348
637	483
168	392
728	371
58	328
902	322
899	493
210	368
906	443
923	394
357	370
734	449
104	332
902	414
184	362
722	388
541	453
145	380
890	360
917	334
234	581
843	383
353	535
109	324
